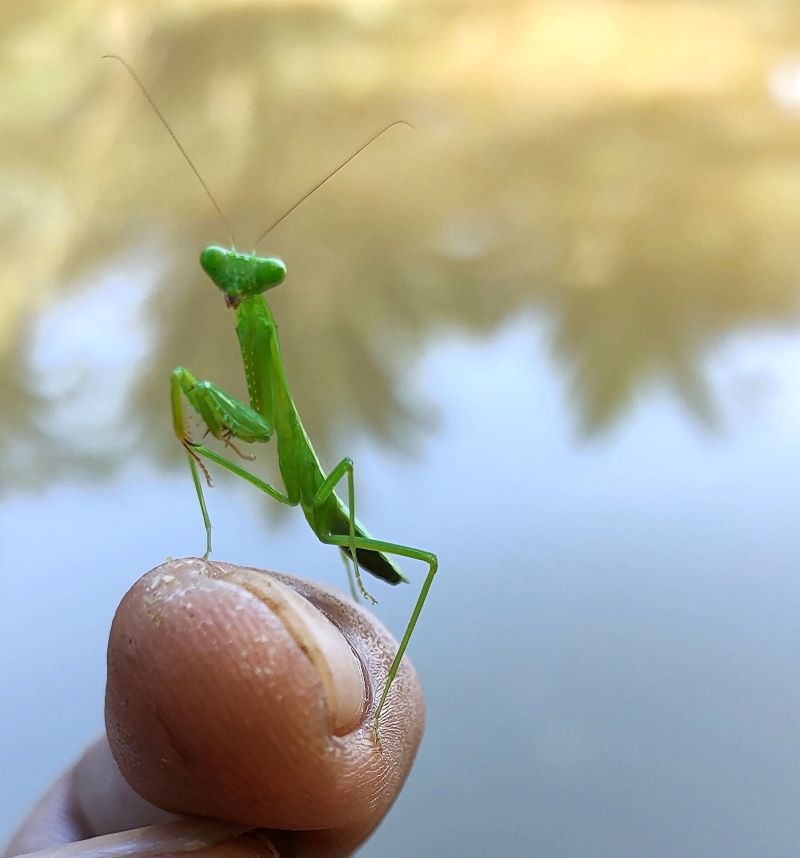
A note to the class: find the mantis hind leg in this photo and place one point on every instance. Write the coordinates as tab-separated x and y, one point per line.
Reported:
399	551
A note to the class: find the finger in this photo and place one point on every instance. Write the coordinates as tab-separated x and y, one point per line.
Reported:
92	798
198	838
106	802
246	696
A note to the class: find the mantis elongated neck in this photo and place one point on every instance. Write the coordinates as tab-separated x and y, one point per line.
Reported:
258	340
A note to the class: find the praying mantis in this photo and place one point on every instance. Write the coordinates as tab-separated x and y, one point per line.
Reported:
243	278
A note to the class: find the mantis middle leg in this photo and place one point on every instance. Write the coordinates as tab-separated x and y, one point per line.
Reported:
322	496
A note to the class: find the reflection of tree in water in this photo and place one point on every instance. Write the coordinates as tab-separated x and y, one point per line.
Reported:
673	237
645	230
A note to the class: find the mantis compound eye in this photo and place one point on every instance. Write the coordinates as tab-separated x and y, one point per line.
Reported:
212	261
269	272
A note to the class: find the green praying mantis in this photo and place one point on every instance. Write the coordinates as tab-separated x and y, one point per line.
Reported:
243	278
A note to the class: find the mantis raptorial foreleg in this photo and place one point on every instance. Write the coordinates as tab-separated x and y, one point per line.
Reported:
224	417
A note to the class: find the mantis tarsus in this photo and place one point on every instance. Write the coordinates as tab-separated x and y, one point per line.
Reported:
242	279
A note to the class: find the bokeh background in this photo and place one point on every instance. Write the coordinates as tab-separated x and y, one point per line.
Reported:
556	327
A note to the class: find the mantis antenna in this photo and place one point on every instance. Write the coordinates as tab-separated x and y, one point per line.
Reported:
205	187
330	175
177	142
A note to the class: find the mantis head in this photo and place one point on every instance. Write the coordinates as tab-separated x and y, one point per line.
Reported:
241	275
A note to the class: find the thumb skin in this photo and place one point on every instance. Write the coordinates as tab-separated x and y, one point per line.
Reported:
248	696
242	696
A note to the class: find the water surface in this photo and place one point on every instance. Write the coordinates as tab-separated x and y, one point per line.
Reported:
555	326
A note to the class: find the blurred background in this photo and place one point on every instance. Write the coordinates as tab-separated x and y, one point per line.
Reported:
556	327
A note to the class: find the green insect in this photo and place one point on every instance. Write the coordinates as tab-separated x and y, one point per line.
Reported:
243	278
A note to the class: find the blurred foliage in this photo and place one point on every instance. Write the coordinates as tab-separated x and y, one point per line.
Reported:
629	170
